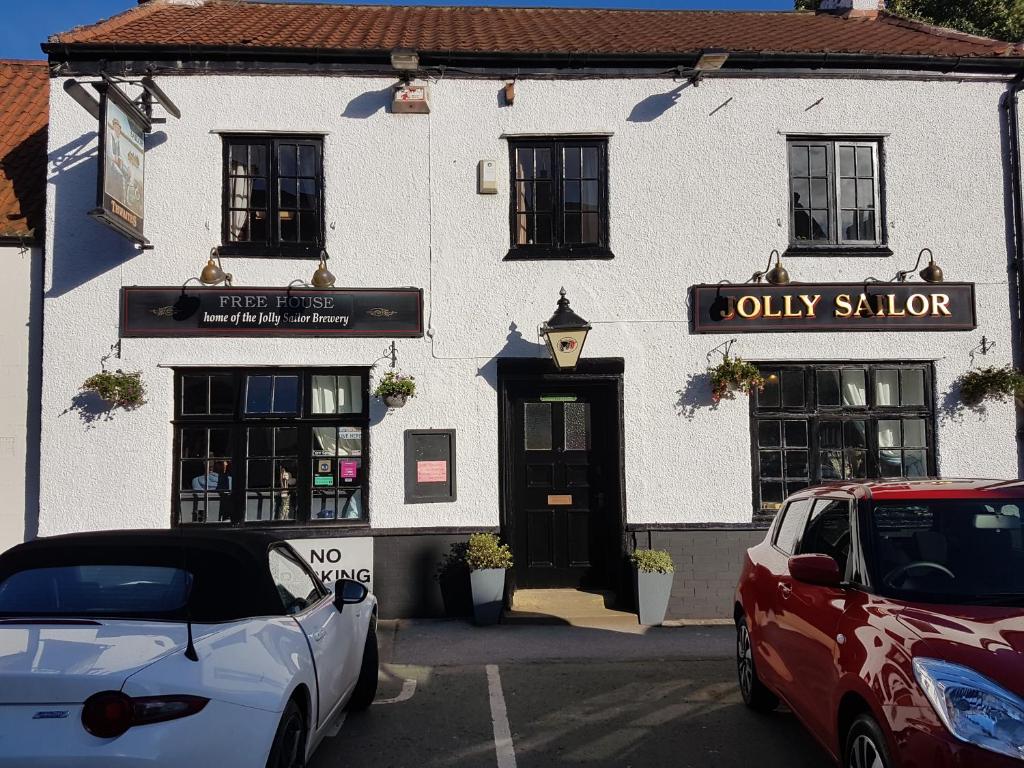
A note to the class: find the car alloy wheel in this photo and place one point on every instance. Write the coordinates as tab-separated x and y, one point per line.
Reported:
865	745
289	749
865	754
744	661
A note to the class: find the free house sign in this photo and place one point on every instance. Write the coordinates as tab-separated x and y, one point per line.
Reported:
871	306
178	311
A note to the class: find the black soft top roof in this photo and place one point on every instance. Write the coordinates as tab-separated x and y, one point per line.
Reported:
231	578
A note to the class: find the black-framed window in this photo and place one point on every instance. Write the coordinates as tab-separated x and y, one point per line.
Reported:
839	421
559	198
273	195
266	446
835	193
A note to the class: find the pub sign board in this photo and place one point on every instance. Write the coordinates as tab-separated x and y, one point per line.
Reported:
121	186
355	312
870	306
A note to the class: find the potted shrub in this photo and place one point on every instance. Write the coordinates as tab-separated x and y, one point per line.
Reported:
654	569
733	375
453	578
119	389
487	559
992	384
395	388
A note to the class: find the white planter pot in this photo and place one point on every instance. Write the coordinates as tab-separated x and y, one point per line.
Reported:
652	593
488	587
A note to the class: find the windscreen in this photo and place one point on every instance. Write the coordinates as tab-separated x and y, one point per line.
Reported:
95	590
950	551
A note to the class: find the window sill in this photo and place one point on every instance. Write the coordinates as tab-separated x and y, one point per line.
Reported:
259	251
542	253
838	250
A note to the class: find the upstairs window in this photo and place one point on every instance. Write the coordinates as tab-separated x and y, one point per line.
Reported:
834	193
273	196
559	198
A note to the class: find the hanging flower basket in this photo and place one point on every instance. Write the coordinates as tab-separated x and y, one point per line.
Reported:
395	388
733	375
992	384
118	388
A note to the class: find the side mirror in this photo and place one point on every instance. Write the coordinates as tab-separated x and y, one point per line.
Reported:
821	570
349	592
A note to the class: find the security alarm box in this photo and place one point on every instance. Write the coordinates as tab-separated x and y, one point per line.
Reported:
487	177
411	98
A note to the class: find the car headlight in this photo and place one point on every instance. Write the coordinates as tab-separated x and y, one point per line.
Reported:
972	707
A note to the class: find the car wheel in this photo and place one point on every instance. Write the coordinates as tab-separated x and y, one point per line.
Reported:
366	686
754	693
289	747
865	745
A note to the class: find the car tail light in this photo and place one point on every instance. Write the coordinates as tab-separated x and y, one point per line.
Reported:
108	714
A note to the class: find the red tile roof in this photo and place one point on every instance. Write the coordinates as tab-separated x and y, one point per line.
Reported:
517	31
24	96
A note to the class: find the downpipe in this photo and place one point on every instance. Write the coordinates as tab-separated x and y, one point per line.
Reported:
1011	105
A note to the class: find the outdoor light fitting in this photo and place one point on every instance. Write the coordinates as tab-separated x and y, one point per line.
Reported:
711	59
565	333
213	273
323	278
932	273
776	275
405	60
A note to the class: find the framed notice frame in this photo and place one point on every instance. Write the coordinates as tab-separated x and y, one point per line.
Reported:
121	180
429	466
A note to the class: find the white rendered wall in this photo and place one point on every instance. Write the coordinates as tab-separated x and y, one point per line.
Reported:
698	193
19	350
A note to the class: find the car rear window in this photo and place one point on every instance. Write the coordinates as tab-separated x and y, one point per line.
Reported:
794	518
95	590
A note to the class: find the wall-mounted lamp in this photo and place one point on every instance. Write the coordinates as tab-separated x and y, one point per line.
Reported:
510	92
565	333
932	273
711	59
213	273
322	278
776	275
405	60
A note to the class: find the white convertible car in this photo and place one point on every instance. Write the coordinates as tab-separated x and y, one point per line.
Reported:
175	648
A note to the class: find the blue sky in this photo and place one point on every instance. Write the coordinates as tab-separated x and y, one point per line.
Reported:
29	22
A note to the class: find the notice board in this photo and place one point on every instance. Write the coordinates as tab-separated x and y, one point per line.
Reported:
429	465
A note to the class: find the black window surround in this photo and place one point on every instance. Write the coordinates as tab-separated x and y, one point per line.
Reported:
839	421
272	196
558	201
295	453
836	196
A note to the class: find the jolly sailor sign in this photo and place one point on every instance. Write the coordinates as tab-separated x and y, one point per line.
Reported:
871	306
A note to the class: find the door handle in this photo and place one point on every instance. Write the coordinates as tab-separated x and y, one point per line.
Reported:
319	635
785	589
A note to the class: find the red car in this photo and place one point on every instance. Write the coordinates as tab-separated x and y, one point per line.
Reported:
889	617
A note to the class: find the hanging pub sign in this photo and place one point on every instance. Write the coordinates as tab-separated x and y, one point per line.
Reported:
871	306
179	311
122	170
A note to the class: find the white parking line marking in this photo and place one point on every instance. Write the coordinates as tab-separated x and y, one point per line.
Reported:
336	728
408	689
499	718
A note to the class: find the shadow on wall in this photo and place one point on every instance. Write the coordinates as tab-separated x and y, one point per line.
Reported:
73	170
655	105
515	346
21	165
696	394
90	408
367	104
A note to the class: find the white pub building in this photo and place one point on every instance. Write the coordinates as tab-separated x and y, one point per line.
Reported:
265	209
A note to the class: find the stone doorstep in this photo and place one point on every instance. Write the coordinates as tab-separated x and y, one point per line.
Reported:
574	607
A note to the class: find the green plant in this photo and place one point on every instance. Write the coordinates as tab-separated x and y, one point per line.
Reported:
991	383
121	389
733	374
454	561
485	550
395	383
652	561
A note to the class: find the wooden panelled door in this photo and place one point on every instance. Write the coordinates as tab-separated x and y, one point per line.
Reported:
563	502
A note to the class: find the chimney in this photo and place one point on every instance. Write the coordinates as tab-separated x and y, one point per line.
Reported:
852	8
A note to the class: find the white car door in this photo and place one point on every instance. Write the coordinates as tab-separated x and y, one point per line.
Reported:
353	620
328	630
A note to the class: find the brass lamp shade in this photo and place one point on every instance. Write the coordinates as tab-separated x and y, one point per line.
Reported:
777	275
213	274
931	273
323	278
565	333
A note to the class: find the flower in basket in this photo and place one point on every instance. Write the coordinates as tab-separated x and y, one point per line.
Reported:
395	384
732	375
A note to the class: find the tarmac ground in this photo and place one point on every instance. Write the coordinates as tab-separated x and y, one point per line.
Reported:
510	696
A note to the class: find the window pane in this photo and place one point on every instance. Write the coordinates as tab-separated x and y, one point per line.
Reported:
819	194
792	389
768	434
855	434
524	163
831	465
288	227
889	464
286	159
819	225
854	389
796	434
324	505
537	424
577	426
192	470
287	193
801	194
846	162
856	463
769	396
260	474
847	193
771	493
830	434
915	464
351	505
307	161
543	234
286	394
350	441
798	161
220	443
207	476
259	505
193	444
913	387
867	225
284	505
819	162
571	163
589	192
886	387
542	196
771	464
573	228
589	228
865	164
590	165
257	191
325	441
571	196
222	394
261	441
865	193
258	394
286	441
888	433
828	387
542	167
913	433
195	394
796	464
849	225
792	526
307	194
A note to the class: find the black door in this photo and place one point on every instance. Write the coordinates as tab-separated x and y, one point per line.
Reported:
564	505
